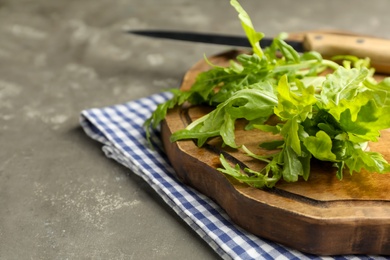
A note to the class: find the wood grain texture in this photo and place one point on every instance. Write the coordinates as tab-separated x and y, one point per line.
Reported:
321	216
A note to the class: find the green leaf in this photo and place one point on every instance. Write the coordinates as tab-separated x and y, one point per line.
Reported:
291	104
292	167
371	161
305	160
291	135
287	51
320	146
343	149
250	104
272	145
227	131
256	179
329	118
342	84
367	122
253	36
268	128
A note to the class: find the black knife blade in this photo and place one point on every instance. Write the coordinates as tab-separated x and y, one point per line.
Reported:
230	40
327	44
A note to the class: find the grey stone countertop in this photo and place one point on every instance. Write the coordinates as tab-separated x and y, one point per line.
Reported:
60	197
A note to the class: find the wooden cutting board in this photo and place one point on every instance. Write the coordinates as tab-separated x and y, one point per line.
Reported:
322	216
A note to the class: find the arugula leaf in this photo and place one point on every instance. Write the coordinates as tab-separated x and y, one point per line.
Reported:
320	146
371	161
330	118
305	160
253	36
294	104
294	108
342	84
272	145
292	165
255	179
250	104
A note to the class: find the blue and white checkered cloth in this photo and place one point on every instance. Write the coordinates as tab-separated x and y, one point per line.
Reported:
119	128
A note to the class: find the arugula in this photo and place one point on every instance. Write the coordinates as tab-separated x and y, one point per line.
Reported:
329	118
251	104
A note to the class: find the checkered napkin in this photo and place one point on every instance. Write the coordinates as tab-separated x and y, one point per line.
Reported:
119	128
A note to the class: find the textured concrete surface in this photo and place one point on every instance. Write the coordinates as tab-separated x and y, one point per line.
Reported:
60	198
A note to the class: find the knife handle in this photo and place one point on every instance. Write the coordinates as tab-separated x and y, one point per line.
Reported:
329	45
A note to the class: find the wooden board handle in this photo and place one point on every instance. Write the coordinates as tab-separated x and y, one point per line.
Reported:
329	45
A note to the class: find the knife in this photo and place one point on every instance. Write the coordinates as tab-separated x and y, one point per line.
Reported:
219	39
329	45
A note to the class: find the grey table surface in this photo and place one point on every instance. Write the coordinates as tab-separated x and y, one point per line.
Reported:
60	198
